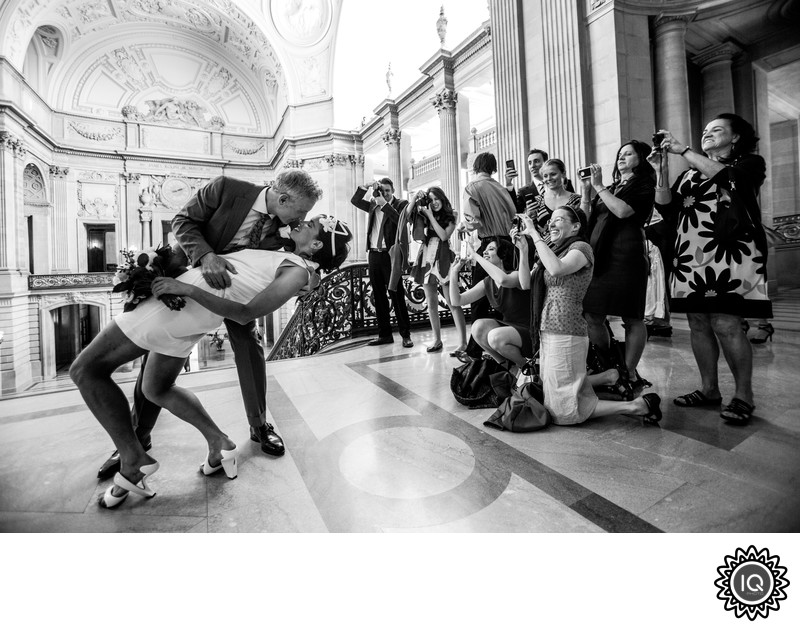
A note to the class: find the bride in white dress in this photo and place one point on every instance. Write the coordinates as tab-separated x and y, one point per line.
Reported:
263	281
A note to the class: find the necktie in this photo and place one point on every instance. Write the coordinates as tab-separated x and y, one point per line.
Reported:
540	186
254	237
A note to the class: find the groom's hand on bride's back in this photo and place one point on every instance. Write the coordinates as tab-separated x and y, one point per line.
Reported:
215	270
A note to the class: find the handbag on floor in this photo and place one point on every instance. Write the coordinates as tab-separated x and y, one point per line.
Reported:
523	410
471	383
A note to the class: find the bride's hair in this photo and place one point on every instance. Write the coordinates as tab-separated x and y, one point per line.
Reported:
335	236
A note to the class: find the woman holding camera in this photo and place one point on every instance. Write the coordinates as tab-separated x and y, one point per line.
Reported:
432	267
719	276
558	283
540	208
506	340
617	216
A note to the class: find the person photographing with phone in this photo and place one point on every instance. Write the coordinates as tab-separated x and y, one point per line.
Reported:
384	212
526	194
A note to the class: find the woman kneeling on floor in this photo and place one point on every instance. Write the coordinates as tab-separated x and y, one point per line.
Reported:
508	340
264	280
558	283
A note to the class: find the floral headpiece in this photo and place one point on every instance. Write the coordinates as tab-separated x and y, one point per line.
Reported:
334	226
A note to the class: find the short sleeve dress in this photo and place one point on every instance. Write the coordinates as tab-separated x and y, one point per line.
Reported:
619	285
515	306
153	327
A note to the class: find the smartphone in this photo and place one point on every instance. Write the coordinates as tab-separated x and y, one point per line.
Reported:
463	254
510	165
585	173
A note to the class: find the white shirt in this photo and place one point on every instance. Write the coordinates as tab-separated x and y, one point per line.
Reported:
376	237
242	236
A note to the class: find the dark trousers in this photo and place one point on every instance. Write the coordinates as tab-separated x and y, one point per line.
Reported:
380	269
252	370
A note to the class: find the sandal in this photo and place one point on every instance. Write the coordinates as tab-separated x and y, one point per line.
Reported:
109	500
435	348
653	415
696	399
229	463
737	412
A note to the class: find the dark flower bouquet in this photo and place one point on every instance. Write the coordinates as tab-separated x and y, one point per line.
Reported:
139	269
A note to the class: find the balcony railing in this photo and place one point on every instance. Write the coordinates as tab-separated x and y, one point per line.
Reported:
70	281
426	165
343	307
484	140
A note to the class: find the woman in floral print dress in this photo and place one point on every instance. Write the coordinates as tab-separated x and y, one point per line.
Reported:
719	272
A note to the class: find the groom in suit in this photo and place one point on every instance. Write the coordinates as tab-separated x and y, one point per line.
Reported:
228	215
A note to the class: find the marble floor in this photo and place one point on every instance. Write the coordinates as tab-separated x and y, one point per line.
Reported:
376	443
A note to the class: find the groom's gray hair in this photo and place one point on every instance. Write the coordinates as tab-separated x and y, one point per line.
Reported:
298	183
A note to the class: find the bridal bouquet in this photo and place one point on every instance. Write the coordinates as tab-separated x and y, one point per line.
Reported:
139	269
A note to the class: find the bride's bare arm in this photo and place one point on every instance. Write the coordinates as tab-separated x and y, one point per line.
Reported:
288	281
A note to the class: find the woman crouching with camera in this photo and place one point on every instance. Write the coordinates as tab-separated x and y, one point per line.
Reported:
432	267
506	340
558	283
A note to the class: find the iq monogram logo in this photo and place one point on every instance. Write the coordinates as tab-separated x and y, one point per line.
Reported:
751	583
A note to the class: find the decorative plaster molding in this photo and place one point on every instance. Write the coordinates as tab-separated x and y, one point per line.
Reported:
175	112
446	99
673	21
391	137
33	190
97	176
358	160
98	199
58	172
131	178
145	216
339	159
98	136
51	281
13	143
244	149
292	163
725	51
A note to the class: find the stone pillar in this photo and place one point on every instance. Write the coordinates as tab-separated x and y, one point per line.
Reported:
445	103
715	63
672	84
131	211
146	216
12	229
59	226
392	140
510	93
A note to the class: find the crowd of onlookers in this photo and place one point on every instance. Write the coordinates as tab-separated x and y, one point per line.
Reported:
551	264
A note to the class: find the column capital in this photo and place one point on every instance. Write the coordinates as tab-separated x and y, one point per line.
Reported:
13	143
146	216
358	160
664	23
392	137
446	99
725	51
131	178
293	163
58	172
338	159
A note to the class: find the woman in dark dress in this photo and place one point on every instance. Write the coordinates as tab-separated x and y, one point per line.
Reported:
617	216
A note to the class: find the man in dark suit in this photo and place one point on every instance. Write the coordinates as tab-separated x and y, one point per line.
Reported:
536	158
384	211
228	215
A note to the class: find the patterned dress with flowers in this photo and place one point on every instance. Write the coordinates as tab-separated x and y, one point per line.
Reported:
719	271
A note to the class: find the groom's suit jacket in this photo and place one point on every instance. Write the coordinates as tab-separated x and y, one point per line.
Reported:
209	220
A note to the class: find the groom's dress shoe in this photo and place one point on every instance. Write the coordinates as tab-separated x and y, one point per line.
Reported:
111	466
379	341
271	443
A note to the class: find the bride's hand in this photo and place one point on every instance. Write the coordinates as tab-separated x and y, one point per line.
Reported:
164	285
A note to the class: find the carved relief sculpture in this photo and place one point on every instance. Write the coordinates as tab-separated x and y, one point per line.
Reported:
175	112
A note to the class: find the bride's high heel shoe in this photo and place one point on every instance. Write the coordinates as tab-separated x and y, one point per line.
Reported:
110	500
229	463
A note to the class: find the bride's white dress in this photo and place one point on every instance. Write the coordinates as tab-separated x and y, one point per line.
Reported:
152	326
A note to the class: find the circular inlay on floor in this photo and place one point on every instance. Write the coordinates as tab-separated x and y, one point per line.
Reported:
407	462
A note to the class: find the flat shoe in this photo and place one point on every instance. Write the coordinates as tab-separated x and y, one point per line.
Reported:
696	399
737	412
435	348
653	415
229	463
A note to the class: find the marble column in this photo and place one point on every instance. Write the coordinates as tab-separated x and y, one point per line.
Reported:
672	84
8	202
59	226
445	103
146	217
715	63
510	92
131	211
392	140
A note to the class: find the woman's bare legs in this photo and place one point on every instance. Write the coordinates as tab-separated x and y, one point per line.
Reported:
606	378
458	319
159	387
738	352
598	331
91	372
637	407
706	352
635	340
432	301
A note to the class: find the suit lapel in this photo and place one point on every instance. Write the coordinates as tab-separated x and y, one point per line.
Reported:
239	209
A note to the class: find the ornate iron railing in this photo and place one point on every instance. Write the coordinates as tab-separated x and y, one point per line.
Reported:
71	281
343	307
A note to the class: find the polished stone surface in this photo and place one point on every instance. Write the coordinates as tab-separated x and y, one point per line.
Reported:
376	443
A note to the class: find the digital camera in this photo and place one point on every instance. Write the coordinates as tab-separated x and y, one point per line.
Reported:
585	173
657	140
377	191
516	222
